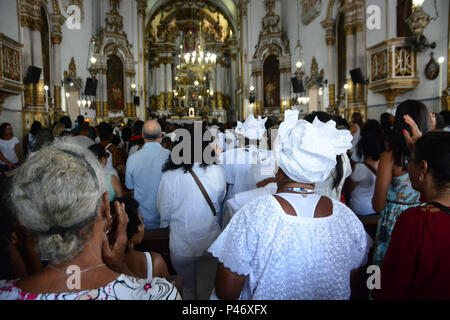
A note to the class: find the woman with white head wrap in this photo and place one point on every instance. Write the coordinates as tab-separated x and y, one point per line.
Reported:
238	162
296	244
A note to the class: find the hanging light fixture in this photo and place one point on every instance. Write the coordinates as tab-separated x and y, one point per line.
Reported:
418	22
298	52
200	61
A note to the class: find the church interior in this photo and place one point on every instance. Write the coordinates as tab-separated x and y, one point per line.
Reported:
330	123
218	59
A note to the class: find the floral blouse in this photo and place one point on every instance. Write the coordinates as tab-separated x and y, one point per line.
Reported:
123	288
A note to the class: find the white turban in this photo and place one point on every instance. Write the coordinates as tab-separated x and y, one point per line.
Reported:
307	152
252	128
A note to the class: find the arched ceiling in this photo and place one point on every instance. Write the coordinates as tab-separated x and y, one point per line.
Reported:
227	18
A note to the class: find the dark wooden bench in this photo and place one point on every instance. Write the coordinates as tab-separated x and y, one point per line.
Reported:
158	241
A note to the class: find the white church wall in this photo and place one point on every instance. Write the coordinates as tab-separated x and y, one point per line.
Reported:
75	43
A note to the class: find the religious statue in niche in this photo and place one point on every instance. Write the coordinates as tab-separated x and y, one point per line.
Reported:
115	80
271	82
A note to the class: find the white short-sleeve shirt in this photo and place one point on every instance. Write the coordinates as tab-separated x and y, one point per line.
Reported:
286	257
182	206
361	197
7	148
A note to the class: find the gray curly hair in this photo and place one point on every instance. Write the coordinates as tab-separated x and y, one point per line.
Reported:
57	194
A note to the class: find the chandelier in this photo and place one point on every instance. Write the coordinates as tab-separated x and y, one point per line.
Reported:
199	61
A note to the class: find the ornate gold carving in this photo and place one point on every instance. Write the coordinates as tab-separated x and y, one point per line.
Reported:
350	91
105	109
219	96
330	41
332	94
359	26
348	29
29	95
38	93
58	102
169	103
72	73
310	10
98	109
393	68
161	102
12	68
56	39
360	93
258	108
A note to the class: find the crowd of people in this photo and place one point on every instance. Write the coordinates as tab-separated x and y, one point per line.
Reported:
282	208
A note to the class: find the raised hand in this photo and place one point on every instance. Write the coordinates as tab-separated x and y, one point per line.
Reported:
416	133
114	253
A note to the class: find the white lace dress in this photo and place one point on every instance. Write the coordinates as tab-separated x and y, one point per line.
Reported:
286	257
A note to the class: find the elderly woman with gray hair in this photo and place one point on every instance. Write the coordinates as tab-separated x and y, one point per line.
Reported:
295	244
60	196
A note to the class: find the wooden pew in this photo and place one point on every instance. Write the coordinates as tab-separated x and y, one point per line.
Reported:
158	241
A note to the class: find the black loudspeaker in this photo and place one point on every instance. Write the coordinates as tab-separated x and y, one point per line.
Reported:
33	75
295	86
252	99
91	87
357	76
137	101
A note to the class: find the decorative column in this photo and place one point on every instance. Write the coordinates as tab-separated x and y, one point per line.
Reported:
233	81
143	60
104	84
219	82
38	88
257	71
330	40
360	56
285	72
168	81
350	63
26	22
243	7
128	102
57	73
160	88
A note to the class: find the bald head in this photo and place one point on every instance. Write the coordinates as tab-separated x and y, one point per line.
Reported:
151	131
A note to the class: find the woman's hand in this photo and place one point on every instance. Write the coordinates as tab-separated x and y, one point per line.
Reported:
416	133
114	253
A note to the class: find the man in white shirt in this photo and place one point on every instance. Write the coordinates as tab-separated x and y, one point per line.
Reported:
144	172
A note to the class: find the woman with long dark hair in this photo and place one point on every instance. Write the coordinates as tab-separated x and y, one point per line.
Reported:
417	261
10	155
361	183
393	190
183	206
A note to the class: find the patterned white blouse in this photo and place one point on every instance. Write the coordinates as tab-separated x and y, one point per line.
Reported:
123	288
289	257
